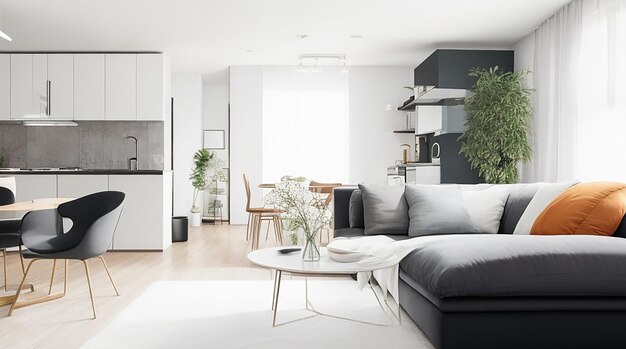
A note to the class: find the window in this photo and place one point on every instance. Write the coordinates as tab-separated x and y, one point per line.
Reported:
305	124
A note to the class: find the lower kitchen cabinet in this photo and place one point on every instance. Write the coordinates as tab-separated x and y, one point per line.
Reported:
30	187
145	223
75	186
428	175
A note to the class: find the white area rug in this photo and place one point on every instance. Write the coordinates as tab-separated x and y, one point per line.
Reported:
237	314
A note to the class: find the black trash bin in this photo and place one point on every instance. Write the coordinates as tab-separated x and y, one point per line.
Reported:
180	228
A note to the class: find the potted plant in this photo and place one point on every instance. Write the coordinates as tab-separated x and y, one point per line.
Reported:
498	117
206	164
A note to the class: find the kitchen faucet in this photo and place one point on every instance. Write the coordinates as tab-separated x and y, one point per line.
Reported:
132	162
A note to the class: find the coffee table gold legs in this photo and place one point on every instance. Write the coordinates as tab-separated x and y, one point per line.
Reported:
279	275
309	306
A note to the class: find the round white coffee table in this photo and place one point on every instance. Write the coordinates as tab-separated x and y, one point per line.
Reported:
292	263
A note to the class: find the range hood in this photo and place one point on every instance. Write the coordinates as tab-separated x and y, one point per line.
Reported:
49	123
444	75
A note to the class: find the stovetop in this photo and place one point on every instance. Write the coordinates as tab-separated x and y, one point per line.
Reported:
42	169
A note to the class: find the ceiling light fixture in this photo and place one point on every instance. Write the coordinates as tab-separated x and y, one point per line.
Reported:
356	36
302	36
5	36
317	61
315	68
302	68
344	68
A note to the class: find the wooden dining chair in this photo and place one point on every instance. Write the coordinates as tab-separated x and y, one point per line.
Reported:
256	215
325	188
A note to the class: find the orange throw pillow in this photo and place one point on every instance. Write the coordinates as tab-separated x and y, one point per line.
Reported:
595	208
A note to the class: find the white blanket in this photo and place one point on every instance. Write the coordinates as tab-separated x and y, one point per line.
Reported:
380	254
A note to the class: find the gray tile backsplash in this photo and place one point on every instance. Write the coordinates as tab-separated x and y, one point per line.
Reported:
92	144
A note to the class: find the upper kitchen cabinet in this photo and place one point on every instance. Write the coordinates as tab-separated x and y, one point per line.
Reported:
61	86
5	87
42	86
40	97
84	86
22	86
151	92
89	87
121	86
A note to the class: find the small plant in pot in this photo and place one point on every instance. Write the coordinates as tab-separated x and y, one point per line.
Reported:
206	165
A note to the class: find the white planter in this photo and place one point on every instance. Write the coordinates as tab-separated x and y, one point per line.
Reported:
195	219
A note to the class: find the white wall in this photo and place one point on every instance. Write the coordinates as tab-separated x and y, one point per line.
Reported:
246	127
215	117
373	145
187	93
524	56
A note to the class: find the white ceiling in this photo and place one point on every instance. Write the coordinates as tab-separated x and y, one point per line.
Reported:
207	36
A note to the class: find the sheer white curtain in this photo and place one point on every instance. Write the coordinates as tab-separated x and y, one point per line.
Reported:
602	92
580	93
555	72
305	124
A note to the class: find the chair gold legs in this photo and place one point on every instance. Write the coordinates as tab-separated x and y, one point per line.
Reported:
106	267
93	304
16	305
8	299
54	267
4	257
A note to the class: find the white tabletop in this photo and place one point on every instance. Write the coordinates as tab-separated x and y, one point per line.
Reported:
270	258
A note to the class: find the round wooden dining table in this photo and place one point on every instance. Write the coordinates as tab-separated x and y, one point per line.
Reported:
34	205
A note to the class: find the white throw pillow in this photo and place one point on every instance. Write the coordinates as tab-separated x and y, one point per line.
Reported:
485	205
544	196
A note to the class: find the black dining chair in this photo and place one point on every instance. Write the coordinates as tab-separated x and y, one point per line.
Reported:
9	230
94	219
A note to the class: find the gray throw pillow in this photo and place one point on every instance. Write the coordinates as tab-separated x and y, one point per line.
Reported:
437	210
355	210
385	210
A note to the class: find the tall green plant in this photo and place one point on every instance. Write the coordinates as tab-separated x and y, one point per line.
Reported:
206	166
498	117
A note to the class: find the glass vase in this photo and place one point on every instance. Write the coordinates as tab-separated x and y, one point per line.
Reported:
311	250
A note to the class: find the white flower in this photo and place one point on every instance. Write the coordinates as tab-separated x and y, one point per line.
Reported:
301	207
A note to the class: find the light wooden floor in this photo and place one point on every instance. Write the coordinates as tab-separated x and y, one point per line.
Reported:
213	252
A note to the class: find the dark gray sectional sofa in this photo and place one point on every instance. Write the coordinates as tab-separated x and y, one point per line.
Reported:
510	291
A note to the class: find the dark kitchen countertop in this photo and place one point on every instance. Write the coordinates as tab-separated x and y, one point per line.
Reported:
85	172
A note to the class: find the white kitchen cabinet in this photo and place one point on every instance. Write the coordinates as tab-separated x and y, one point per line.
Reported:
121	86
142	225
75	186
429	119
89	87
22	86
40	96
5	86
150	87
61	86
427	174
35	186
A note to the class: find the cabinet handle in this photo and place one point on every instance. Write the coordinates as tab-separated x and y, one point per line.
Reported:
48	93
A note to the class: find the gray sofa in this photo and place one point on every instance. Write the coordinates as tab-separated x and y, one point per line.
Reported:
510	291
